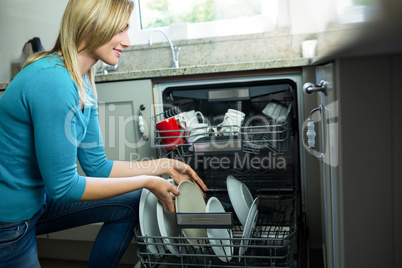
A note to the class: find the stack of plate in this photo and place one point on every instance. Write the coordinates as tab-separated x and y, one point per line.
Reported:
168	227
149	222
159	227
245	208
156	221
191	200
224	249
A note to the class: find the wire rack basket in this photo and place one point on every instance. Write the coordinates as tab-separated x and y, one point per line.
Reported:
260	131
272	243
257	132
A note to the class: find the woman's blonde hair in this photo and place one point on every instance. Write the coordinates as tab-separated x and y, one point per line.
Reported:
92	21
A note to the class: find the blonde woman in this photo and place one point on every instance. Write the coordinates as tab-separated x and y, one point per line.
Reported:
48	120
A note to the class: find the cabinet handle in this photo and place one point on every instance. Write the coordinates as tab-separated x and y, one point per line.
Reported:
141	122
311	134
310	88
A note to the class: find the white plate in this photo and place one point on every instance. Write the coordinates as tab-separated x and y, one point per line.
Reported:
249	227
240	197
168	227
191	200
224	250
149	222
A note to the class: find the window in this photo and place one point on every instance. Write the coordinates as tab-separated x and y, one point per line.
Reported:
193	19
160	13
189	19
354	11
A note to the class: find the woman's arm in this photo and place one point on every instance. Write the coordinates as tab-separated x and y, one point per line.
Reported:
102	188
130	176
177	170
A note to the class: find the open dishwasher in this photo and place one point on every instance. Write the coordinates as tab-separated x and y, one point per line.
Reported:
258	148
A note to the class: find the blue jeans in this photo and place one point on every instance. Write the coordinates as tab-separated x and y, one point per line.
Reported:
119	214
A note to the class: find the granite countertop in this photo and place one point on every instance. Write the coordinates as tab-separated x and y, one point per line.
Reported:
205	69
201	69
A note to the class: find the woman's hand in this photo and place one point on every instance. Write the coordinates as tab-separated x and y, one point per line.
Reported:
177	170
162	189
180	171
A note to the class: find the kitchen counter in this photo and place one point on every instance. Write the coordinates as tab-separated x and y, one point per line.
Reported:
201	69
205	69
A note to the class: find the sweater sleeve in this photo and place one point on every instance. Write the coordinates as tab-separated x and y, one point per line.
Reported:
91	153
52	100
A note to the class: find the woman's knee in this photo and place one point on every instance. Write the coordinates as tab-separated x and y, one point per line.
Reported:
125	207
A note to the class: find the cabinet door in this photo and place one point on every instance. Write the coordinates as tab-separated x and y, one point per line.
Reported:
329	142
369	184
119	115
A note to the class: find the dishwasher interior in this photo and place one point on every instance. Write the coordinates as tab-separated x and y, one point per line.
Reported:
259	148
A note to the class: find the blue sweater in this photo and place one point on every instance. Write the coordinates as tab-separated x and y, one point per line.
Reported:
42	133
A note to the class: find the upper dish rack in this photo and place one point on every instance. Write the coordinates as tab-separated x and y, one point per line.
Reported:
257	132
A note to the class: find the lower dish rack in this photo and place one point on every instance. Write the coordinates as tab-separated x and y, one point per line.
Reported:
272	243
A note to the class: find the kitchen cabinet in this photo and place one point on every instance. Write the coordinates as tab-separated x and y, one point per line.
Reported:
120	105
371	155
361	166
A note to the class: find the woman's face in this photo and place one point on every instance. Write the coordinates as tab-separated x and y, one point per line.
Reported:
110	52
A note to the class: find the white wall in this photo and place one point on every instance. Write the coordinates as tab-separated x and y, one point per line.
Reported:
21	20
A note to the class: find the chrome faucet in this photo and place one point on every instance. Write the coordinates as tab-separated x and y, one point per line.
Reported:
175	49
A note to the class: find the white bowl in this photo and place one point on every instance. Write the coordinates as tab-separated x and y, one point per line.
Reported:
191	200
240	197
149	222
168	227
224	250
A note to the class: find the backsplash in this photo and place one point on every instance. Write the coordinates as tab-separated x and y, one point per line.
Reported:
278	44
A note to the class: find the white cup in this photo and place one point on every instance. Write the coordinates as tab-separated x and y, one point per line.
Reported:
189	118
232	121
198	131
309	48
236	112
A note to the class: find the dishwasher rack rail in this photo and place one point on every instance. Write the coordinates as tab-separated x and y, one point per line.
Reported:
273	243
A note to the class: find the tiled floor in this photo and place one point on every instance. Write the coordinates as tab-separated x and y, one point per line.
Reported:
48	263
